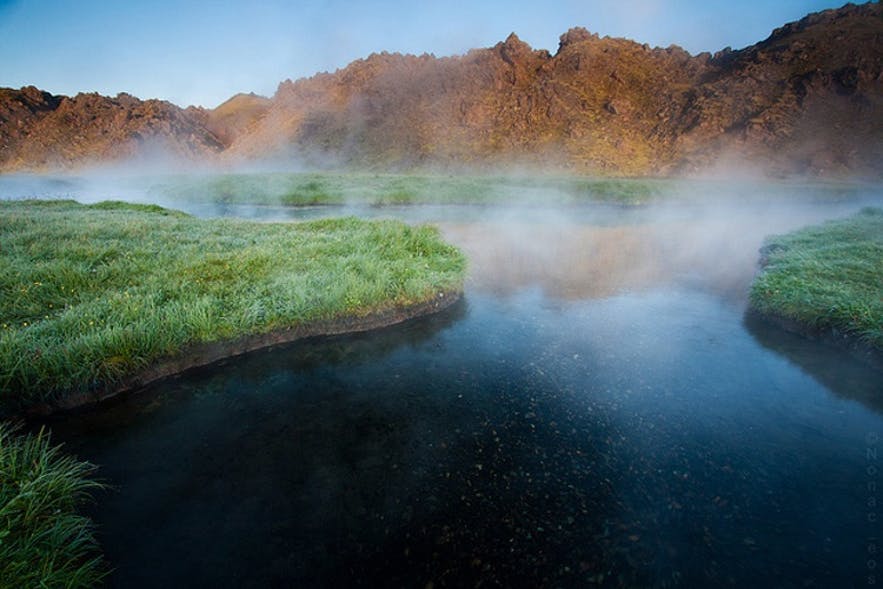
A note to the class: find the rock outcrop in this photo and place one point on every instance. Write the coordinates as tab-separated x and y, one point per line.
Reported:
39	131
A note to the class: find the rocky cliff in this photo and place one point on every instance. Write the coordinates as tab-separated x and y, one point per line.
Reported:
807	100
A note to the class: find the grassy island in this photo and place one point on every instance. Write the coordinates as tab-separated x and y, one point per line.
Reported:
44	542
827	278
90	295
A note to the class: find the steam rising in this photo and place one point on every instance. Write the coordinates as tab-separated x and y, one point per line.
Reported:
711	247
694	236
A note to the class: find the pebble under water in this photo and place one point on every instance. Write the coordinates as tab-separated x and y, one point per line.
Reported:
649	436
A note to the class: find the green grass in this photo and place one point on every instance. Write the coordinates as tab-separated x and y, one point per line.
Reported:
44	542
364	188
359	188
91	294
371	189
828	276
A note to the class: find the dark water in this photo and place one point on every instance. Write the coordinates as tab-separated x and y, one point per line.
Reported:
584	417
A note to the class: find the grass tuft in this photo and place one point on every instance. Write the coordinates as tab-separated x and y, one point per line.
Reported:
44	542
828	276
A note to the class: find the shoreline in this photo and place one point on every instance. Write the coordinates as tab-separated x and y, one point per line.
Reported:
112	296
821	282
202	355
857	348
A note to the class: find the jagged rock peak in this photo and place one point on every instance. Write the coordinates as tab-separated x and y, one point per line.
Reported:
575	35
35	94
514	41
514	50
867	10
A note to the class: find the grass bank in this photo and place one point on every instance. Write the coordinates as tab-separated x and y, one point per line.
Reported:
361	188
827	277
373	189
92	294
44	542
368	189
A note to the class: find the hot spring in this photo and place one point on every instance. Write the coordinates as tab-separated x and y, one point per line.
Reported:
596	411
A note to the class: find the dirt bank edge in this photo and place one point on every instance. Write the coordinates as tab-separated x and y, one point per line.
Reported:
201	355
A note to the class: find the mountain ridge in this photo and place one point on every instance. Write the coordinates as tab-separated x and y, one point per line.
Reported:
806	100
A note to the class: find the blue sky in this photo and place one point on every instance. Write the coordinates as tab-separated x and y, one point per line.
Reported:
203	52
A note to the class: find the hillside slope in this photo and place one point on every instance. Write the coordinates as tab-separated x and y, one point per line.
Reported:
807	100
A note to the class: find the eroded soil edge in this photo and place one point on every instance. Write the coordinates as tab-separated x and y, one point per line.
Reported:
202	355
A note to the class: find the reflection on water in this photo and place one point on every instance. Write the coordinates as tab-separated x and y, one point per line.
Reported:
584	252
595	413
593	261
639	440
863	383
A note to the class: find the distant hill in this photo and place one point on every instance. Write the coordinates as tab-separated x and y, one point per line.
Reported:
807	100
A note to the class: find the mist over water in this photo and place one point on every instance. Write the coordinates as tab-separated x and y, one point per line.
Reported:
597	257
520	228
597	411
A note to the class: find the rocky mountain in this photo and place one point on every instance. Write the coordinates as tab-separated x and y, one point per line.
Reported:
807	100
40	131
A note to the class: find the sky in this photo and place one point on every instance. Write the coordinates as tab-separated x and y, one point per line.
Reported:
202	52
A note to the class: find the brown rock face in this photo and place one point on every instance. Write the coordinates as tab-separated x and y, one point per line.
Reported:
809	99
236	116
41	131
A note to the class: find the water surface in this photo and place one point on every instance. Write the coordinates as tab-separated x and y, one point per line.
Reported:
597	411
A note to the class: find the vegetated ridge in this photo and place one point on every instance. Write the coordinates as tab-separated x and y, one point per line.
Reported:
807	100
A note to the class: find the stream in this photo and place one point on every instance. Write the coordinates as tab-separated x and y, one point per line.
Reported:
596	411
